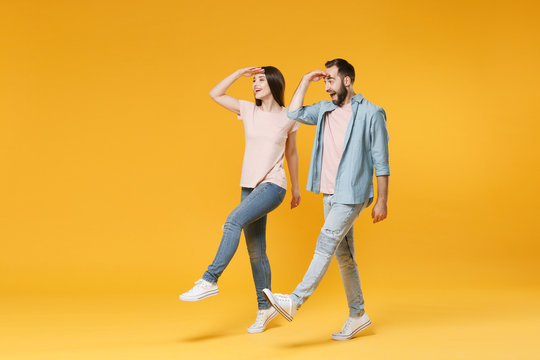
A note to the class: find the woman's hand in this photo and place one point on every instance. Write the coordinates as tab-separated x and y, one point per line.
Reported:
250	71
295	201
218	92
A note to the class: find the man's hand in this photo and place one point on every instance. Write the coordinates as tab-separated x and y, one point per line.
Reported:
295	201
379	212
297	100
315	75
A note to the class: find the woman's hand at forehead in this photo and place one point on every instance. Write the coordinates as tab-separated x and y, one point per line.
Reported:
250	71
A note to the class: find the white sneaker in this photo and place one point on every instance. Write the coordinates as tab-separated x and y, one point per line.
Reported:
282	303
201	290
353	325
263	318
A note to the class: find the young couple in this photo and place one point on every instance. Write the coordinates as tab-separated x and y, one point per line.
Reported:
350	141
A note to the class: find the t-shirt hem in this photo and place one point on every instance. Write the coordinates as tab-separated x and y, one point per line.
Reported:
252	186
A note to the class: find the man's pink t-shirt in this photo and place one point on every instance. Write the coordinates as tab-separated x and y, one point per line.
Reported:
335	127
266	134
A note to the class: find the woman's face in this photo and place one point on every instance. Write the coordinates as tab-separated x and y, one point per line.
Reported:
261	88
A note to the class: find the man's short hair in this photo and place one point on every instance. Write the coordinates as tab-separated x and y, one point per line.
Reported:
344	68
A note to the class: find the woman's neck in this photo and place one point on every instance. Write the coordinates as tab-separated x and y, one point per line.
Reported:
270	105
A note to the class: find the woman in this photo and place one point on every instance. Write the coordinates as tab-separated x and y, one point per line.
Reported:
270	136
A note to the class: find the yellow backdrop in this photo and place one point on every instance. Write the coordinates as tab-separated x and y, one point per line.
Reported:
118	170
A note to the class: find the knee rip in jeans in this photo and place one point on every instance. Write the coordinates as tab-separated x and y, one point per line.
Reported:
344	256
322	254
330	232
347	264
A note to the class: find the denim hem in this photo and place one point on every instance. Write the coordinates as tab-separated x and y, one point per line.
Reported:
209	278
355	314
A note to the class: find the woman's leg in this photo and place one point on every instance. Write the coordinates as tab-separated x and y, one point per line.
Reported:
255	234
255	205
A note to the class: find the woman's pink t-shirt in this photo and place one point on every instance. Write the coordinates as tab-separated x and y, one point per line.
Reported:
266	134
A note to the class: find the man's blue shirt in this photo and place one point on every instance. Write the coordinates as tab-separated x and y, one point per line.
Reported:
365	148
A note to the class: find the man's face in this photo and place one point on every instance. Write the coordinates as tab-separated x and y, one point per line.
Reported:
335	86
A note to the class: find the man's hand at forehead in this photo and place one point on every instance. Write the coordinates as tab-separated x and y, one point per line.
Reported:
297	100
316	75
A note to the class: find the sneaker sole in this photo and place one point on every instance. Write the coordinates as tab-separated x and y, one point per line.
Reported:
351	335
274	314
200	297
270	297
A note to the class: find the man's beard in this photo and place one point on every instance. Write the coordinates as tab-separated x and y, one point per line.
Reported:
341	94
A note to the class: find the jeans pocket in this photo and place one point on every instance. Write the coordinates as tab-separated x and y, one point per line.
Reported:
327	199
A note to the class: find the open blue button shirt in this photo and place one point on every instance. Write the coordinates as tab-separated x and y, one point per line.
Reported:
365	148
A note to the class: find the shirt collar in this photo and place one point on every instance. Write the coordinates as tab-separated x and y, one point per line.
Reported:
358	98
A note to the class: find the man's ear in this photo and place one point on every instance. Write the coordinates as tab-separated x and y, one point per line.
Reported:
347	81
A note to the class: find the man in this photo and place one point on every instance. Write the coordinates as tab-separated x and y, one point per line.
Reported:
351	139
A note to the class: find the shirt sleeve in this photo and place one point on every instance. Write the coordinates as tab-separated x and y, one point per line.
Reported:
306	114
379	143
295	127
246	108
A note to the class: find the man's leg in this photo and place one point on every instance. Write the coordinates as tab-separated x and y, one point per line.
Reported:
338	222
349	274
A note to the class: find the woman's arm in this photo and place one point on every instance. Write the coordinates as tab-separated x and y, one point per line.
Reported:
291	153
218	92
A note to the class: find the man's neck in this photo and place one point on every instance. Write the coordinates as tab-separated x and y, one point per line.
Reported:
348	98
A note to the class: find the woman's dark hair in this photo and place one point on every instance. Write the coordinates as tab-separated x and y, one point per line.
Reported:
344	68
276	82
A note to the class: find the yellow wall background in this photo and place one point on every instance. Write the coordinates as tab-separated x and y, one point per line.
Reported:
117	169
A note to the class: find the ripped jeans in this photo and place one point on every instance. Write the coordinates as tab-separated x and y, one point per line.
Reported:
336	237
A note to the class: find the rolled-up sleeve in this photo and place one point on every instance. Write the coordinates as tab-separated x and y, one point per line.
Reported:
306	114
379	143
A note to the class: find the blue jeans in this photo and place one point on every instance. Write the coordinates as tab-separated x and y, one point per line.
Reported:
336	237
250	216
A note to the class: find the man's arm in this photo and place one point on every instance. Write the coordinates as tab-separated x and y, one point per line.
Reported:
379	211
379	153
296	110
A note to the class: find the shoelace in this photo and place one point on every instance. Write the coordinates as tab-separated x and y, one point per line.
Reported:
198	284
260	318
347	326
